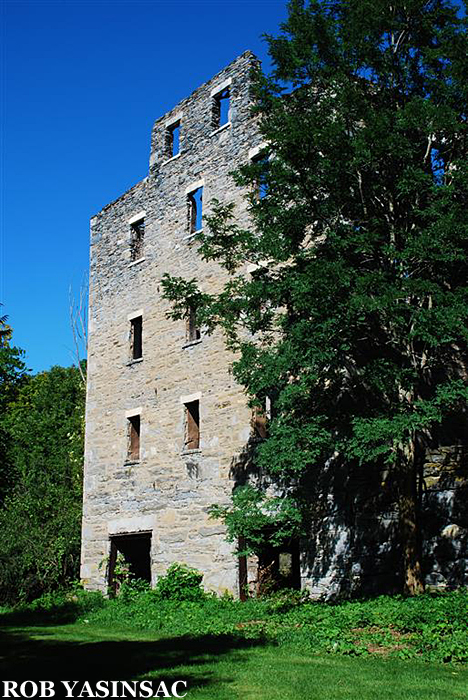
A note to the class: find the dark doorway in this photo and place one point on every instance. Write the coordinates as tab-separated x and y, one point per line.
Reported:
279	567
136	551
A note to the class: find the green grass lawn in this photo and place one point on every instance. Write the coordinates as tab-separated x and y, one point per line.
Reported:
221	667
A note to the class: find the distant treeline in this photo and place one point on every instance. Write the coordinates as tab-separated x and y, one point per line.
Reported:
41	467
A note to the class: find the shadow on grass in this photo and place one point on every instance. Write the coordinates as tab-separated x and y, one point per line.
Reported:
25	658
62	613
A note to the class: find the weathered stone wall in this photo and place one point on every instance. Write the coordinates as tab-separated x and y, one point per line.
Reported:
354	547
445	517
166	492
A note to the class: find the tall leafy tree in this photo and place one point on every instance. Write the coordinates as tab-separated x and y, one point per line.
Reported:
12	377
356	318
41	516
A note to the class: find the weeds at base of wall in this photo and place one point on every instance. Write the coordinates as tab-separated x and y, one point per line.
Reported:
429	627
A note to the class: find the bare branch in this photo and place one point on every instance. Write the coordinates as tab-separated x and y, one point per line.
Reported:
78	309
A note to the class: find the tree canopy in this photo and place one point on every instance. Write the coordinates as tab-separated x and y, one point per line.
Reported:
40	518
355	320
12	377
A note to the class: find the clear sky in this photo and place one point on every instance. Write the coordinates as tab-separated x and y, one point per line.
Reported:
82	83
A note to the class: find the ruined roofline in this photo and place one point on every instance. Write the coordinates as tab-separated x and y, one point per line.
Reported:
246	55
141	182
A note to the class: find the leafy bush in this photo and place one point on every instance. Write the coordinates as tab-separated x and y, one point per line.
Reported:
132	588
180	583
56	606
286	599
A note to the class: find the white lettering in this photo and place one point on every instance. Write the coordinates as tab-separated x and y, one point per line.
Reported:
68	689
101	687
132	690
34	689
146	687
174	689
47	686
87	690
165	692
9	687
115	689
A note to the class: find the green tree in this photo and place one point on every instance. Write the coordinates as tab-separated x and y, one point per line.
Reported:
12	377
40	520
355	319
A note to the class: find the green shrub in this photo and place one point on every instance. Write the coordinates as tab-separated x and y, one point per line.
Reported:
132	588
180	583
56	607
286	599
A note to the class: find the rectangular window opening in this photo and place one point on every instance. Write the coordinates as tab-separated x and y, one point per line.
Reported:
192	425
194	210
192	331
129	559
259	422
261	161
261	416
173	140
137	234
220	115
136	338
133	451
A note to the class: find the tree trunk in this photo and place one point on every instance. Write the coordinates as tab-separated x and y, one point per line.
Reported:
413	582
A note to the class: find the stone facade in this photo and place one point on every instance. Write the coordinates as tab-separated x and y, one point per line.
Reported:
146	482
168	489
354	547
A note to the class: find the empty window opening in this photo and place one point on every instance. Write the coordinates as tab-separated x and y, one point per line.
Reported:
129	559
261	161
192	425
192	331
137	234
173	139
279	567
261	415
133	451
194	207
136	338
221	108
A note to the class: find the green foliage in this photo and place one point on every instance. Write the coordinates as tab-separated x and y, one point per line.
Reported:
431	627
41	517
55	607
12	378
286	599
180	582
260	520
356	318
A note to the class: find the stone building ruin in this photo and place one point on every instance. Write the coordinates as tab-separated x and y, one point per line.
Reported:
165	421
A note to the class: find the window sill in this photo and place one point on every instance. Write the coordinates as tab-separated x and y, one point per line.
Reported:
221	128
190	343
136	361
197	451
190	236
136	262
169	160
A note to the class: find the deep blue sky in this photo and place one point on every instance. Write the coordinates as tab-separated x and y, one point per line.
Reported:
82	83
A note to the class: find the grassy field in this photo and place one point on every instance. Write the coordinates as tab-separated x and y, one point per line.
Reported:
278	648
220	667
